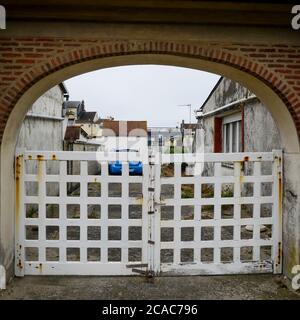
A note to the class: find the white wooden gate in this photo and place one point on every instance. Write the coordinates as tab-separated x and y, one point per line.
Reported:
225	218
72	221
187	214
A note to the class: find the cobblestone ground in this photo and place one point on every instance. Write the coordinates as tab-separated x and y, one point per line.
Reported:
262	287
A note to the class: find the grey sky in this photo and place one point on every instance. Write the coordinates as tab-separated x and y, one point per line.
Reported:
143	92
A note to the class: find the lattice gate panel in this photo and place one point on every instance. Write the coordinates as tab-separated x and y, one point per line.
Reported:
75	218
223	218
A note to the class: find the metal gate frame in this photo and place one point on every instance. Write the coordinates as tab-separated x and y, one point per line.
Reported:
150	221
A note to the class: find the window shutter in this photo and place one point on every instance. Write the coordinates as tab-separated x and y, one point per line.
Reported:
218	135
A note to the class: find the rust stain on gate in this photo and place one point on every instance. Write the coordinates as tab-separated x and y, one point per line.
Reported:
279	164
242	168
18	175
18	186
40	168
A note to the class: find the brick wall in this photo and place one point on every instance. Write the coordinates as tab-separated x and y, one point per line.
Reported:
23	61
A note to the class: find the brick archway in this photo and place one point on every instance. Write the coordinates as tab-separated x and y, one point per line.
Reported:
27	60
29	66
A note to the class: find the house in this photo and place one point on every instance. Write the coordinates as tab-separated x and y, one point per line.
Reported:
188	132
165	138
86	131
76	114
235	120
83	127
77	139
43	129
172	139
71	110
89	121
44	124
123	135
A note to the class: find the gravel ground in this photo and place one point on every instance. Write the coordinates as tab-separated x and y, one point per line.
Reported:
244	287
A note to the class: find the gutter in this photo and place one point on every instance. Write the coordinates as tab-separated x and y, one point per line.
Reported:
87	142
225	108
41	116
64	90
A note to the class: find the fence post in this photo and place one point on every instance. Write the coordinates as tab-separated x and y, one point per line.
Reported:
277	213
19	213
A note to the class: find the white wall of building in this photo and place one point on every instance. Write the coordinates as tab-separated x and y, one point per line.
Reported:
43	127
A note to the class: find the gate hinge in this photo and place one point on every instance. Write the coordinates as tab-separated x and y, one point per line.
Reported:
151	212
151	242
151	189
143	272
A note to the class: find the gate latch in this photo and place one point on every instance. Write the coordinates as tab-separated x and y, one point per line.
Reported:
159	203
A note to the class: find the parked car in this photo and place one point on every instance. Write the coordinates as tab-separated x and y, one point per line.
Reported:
135	167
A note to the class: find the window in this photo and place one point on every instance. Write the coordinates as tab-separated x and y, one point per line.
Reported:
232	133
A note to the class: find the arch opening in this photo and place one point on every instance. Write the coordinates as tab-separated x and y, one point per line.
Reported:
268	97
